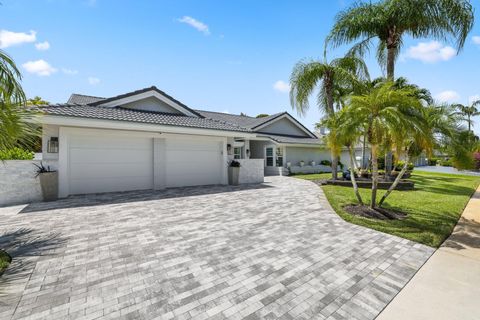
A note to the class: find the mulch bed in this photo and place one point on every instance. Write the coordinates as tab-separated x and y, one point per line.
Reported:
378	213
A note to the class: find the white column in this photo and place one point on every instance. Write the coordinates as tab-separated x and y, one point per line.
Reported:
63	185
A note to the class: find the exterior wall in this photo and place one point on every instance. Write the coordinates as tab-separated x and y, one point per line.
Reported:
18	184
257	149
151	104
251	171
296	154
283	126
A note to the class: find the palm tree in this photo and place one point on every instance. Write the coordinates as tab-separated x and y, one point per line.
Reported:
387	113
388	21
10	88
468	112
332	77
36	101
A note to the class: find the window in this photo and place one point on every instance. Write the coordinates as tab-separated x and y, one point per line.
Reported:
269	157
237	153
279	154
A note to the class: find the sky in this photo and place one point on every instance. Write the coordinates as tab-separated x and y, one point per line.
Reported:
226	56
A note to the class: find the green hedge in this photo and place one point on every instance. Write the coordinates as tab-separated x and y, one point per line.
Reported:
16	154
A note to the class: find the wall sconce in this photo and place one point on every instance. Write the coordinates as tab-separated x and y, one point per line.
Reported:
52	145
248	153
229	149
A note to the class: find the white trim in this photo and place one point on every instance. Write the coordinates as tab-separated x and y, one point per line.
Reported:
289	117
134	126
149	94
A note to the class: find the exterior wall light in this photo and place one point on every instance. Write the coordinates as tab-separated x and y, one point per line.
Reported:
229	149
247	153
52	145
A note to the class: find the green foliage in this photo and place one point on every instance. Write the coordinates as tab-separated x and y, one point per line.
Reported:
433	208
36	101
17	126
433	161
446	162
401	163
326	163
16	154
262	115
5	260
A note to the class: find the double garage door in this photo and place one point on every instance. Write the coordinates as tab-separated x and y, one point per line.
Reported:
109	162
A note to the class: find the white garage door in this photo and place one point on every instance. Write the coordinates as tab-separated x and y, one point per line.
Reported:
193	162
107	163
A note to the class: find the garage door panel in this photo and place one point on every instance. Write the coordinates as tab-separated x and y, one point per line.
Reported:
89	155
193	162
109	163
109	170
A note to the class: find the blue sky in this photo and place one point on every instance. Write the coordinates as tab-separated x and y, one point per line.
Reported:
232	56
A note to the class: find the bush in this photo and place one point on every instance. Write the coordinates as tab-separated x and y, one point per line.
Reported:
381	163
340	164
446	163
433	161
476	158
400	165
16	154
326	163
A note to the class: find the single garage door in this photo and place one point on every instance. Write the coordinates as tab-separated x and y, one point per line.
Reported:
107	163
193	162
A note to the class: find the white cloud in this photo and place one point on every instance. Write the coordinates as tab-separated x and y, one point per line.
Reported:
281	86
93	81
430	52
42	46
10	38
476	39
39	67
448	96
69	71
473	98
200	26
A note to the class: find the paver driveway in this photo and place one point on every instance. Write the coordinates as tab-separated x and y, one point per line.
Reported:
271	251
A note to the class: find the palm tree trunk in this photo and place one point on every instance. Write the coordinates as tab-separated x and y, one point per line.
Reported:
388	164
391	63
373	204
352	176
334	167
364	151
395	183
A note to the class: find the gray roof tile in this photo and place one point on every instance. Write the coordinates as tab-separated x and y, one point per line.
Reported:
124	114
76	98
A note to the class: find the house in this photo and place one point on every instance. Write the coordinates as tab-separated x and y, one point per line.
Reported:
147	139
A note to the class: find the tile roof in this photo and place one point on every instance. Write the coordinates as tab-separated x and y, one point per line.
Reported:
76	98
244	121
124	114
292	139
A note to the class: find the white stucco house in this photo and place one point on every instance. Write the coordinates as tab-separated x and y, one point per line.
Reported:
146	139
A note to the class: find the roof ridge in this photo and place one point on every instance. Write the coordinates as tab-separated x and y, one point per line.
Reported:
226	113
87	95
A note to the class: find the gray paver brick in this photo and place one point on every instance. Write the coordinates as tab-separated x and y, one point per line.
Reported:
270	251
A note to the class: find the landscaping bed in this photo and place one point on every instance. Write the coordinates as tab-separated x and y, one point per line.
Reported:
5	260
402	185
432	209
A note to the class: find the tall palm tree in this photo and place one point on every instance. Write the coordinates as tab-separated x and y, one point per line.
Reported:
388	21
468	112
10	88
332	78
386	112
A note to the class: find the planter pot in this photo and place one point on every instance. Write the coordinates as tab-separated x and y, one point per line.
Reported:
233	173
289	164
49	184
312	163
302	163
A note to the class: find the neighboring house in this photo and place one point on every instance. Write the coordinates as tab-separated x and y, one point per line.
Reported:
146	139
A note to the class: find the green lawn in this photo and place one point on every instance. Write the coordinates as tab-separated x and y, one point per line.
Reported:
433	207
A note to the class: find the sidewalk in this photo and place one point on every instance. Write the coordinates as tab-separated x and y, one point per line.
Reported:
448	285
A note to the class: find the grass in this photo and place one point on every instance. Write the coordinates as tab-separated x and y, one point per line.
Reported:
433	208
5	260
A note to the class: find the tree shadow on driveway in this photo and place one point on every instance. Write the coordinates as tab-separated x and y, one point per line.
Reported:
133	196
25	246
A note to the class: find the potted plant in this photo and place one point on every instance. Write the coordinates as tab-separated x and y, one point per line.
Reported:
312	163
289	164
233	172
302	163
48	182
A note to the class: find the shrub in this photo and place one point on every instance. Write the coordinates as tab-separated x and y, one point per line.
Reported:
16	154
476	158
401	163
446	163
340	164
326	163
432	161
